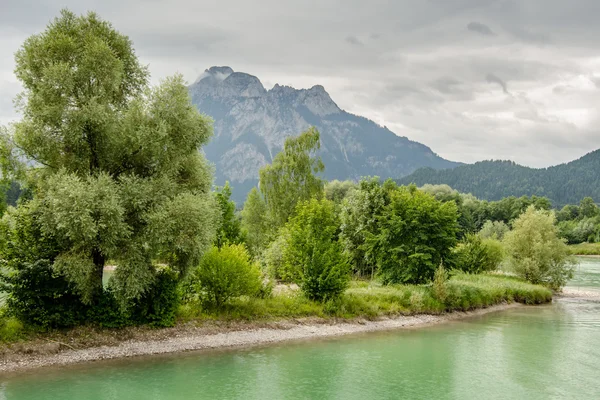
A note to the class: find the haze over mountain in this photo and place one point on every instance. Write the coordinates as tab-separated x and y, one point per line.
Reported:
492	180
252	123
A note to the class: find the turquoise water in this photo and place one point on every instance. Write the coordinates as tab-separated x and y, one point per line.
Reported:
546	352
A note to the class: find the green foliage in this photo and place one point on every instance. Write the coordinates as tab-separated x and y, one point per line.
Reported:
359	215
225	273
439	283
229	230
120	175
585	249
274	259
493	230
313	250
535	251
291	177
36	294
337	191
587	208
255	225
584	230
11	329
416	234
476	255
494	180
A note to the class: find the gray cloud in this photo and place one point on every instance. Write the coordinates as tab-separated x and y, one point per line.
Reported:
419	70
353	40
480	28
491	78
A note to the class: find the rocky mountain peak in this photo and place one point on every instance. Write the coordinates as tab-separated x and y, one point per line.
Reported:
225	82
251	125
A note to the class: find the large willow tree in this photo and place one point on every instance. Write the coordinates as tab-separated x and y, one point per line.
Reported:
116	169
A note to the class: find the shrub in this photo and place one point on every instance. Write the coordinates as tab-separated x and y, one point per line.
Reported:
11	328
475	255
314	252
35	293
225	273
159	305
416	233
535	251
439	283
493	230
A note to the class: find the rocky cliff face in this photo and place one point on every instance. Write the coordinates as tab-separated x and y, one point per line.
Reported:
251	125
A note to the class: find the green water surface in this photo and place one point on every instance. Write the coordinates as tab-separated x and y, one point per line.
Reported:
546	352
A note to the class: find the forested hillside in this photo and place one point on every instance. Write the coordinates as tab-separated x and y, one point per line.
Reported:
492	180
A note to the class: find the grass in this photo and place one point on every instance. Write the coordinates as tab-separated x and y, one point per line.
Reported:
363	299
366	299
585	249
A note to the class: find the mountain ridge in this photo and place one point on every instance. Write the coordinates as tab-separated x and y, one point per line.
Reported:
565	183
251	124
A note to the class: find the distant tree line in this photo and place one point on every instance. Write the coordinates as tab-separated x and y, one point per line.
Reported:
493	180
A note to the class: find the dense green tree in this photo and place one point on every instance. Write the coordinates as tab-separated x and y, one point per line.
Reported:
587	208
314	251
493	230
569	212
416	234
256	226
336	190
535	252
117	170
291	177
229	228
359	218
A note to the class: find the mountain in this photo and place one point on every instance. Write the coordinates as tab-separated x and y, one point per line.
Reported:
251	124
492	180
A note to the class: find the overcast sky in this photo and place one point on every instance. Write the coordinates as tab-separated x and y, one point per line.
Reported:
472	79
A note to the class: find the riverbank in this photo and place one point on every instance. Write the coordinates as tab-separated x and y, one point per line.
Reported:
585	249
286	315
213	336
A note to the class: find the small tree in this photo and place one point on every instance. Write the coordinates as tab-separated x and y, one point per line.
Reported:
416	234
359	215
229	229
535	252
225	273
493	230
587	208
475	255
291	177
256	226
314	251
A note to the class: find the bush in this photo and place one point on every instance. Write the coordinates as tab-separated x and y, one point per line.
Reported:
35	294
225	273
535	251
439	283
314	252
417	233
11	328
476	255
159	305
493	230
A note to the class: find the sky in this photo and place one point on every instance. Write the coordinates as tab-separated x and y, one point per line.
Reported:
472	79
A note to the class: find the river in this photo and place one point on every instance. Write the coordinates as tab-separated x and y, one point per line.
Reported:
544	352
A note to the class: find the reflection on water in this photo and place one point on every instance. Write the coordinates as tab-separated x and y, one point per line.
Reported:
546	352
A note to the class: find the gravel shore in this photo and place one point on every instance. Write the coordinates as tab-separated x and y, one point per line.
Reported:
199	340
